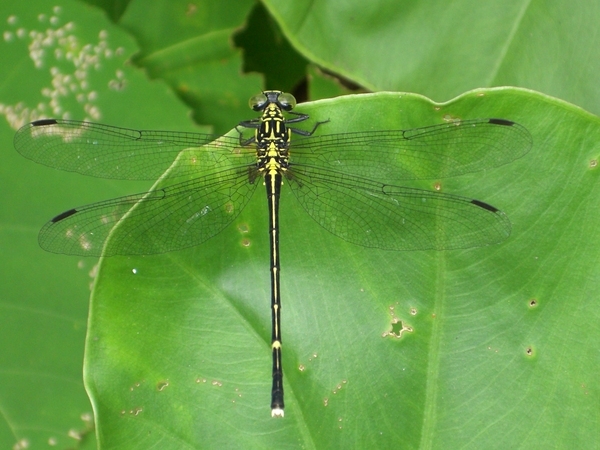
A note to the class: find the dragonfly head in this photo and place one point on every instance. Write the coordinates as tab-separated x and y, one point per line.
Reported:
283	100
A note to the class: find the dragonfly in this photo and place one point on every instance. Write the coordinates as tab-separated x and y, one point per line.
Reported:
349	183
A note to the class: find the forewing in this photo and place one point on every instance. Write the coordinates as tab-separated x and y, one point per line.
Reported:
112	152
432	152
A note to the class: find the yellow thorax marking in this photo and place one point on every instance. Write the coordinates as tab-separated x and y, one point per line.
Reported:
272	132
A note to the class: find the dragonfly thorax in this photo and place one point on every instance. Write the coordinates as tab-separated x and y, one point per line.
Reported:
272	140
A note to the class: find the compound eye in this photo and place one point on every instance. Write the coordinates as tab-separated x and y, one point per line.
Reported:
287	101
258	102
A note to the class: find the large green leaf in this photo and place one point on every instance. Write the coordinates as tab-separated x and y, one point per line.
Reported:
501	337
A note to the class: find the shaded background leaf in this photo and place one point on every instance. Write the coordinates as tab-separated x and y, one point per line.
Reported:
443	50
44	305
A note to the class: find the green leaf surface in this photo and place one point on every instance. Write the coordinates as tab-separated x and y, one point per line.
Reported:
58	58
443	49
491	351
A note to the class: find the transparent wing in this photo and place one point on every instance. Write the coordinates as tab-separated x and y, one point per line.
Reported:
432	152
120	153
163	220
389	217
